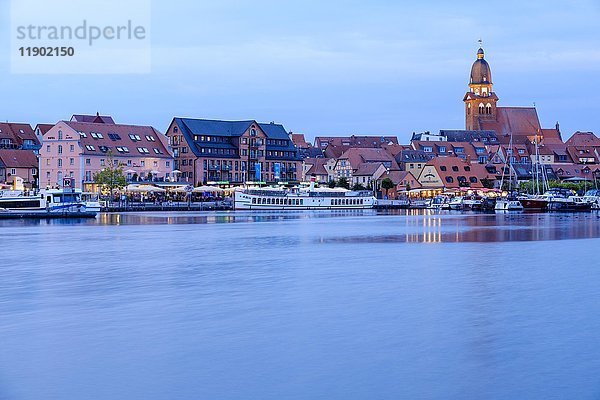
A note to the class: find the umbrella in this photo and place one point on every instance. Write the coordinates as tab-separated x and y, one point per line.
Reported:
154	172
176	171
202	189
144	188
130	171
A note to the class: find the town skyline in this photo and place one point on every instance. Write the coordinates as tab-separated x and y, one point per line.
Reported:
390	75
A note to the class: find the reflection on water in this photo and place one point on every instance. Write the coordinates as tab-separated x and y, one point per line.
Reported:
413	226
303	305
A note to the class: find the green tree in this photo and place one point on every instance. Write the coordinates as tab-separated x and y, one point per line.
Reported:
343	183
332	184
358	186
387	184
111	177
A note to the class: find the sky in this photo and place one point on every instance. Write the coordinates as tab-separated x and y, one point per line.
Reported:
335	67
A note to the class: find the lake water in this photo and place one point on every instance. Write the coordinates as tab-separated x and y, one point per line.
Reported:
310	305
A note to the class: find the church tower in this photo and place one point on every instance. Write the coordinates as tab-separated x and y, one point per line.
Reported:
480	100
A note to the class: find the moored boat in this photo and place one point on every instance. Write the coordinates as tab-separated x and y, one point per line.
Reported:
48	203
302	199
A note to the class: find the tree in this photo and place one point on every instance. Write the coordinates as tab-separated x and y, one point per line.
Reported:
332	184
111	177
387	184
358	186
343	183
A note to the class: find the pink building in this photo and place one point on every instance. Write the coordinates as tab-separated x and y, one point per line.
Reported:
80	149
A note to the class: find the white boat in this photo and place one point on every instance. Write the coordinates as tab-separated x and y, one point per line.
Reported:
456	203
47	203
302	199
508	205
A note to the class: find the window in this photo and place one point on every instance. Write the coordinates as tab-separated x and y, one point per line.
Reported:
459	150
102	162
428	149
71	161
442	149
90	147
449	179
59	162
151	138
455	168
60	135
88	161
103	149
443	168
467	168
479	150
135	138
72	148
473	179
143	150
48	148
82	134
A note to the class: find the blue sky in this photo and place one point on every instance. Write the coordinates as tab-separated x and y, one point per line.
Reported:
336	67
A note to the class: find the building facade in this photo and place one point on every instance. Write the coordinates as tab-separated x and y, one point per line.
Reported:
233	152
81	149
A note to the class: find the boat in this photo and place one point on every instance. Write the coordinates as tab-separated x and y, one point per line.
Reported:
473	203
456	203
534	203
47	203
312	198
437	202
418	204
566	200
593	196
506	204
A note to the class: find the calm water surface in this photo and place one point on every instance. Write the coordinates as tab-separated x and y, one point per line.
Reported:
315	305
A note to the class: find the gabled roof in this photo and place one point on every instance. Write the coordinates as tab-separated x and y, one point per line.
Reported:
583	139
117	135
98	119
210	127
456	168
469	136
357	156
410	155
354	141
18	158
18	133
317	167
398	177
520	121
367	169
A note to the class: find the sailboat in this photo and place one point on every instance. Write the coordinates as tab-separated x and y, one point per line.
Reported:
537	201
510	202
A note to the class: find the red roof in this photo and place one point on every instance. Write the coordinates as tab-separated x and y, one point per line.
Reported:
453	169
318	166
18	133
520	121
18	158
583	139
357	156
99	119
118	136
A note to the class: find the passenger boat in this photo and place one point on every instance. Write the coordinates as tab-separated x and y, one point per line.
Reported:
48	203
302	199
593	196
456	203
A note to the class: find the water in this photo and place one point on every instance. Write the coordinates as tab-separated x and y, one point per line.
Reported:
315	305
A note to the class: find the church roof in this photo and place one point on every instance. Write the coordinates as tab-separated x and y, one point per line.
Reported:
481	73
